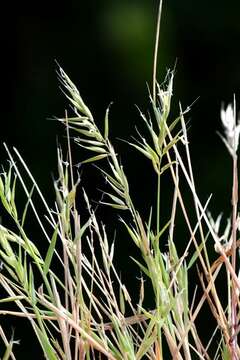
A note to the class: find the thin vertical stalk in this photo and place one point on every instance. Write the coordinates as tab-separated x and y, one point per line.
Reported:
155	58
234	299
158	202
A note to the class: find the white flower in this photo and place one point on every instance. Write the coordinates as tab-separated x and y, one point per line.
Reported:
231	129
225	239
165	94
228	118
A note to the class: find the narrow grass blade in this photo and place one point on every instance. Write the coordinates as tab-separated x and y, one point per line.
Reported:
94	158
50	252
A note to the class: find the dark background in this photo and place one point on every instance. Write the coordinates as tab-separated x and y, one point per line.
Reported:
106	47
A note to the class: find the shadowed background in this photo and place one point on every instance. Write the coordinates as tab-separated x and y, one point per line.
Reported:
106	47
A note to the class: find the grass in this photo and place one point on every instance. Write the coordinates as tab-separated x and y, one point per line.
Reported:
72	293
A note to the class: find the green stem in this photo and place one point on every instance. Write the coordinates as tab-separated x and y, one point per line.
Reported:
158	202
234	320
156	50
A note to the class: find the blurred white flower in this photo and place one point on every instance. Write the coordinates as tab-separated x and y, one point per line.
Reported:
228	118
165	94
231	129
225	239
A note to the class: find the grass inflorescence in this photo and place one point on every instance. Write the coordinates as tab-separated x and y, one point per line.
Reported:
72	293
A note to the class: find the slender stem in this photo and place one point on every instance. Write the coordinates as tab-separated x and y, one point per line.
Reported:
234	211
234	299
156	50
154	97
158	202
